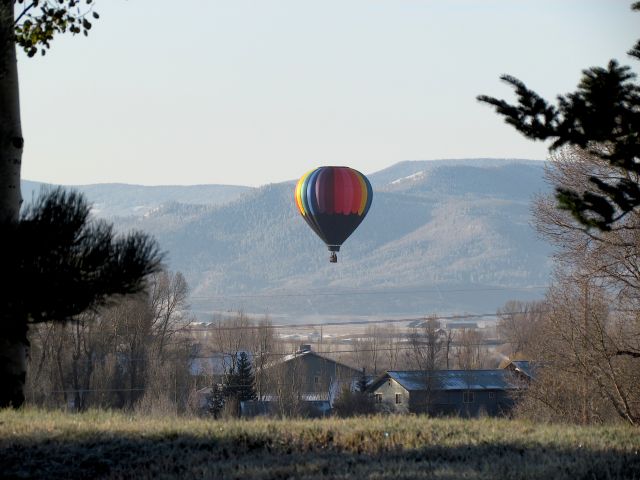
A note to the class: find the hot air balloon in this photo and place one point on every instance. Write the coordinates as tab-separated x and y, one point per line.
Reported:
333	201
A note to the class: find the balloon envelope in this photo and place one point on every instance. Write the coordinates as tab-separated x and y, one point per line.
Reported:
333	201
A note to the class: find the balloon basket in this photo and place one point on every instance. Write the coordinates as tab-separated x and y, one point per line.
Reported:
333	258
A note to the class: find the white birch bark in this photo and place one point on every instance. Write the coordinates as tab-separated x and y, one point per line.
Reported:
13	331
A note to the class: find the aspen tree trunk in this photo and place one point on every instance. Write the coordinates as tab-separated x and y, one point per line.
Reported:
11	140
13	331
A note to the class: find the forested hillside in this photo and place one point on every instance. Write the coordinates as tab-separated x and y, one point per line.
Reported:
448	235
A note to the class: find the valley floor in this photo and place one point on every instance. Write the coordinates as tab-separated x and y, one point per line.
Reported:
54	445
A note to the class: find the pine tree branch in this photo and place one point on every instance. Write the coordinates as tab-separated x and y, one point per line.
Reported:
62	262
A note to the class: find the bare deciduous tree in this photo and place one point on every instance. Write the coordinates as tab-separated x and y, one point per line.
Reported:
589	343
110	358
232	336
518	324
391	346
287	382
265	349
471	353
367	349
426	353
427	345
168	297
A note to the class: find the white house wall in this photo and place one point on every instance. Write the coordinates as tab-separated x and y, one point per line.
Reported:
388	390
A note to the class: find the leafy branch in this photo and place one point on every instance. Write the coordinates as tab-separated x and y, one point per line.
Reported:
41	20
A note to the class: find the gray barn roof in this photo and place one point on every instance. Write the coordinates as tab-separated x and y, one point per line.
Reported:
415	380
307	353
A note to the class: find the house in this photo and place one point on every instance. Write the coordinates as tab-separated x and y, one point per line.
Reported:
202	398
306	381
310	372
466	393
302	383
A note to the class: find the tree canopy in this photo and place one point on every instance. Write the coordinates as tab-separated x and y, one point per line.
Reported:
62	262
40	20
240	383
602	117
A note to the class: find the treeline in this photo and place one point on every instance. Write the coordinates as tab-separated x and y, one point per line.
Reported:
431	345
126	356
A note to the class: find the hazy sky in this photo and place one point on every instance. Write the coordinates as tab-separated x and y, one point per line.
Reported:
253	92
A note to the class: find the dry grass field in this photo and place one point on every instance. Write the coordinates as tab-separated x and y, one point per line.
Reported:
98	444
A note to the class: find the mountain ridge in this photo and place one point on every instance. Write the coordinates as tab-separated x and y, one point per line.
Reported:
461	228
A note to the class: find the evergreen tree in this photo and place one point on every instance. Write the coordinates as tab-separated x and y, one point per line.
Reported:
362	382
246	382
59	263
240	382
215	401
602	117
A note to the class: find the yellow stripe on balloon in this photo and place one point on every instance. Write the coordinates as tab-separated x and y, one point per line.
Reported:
364	195
298	194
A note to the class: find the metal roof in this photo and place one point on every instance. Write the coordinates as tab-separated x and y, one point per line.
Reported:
523	366
299	354
305	397
454	379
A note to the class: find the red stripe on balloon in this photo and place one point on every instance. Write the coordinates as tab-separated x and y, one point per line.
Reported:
348	191
329	192
338	191
338	183
324	190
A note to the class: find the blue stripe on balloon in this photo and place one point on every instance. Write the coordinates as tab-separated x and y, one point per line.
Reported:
369	194
303	193
311	192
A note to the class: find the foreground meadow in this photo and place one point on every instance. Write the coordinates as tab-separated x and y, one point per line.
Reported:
52	445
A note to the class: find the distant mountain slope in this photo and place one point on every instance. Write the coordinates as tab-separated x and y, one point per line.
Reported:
440	236
408	169
119	199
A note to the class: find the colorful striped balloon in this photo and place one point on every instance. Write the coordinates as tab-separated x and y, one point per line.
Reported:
333	201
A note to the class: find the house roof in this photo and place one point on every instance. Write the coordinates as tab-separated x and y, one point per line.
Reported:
293	356
305	397
522	366
417	380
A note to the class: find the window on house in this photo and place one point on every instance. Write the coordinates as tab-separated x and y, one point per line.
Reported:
398	398
316	380
378	398
492	395
468	397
